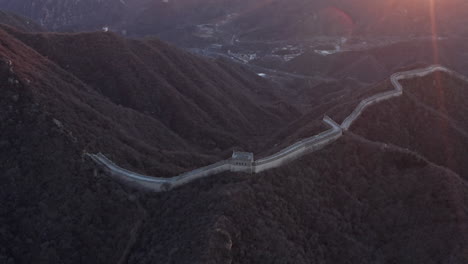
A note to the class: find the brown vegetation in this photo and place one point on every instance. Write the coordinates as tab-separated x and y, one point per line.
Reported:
356	201
430	118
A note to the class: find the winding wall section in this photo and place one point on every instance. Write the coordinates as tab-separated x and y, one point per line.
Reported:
284	156
397	91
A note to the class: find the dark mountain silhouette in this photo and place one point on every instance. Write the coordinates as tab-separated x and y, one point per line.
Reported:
303	19
356	201
68	15
375	64
149	95
248	20
392	190
181	17
154	78
53	210
436	127
136	17
50	118
19	22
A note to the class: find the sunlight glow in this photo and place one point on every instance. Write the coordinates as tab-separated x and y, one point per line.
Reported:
443	126
435	44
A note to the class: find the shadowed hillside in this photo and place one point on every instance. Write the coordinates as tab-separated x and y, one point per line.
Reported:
68	15
19	22
256	20
376	64
430	118
353	202
158	101
53	210
56	206
393	190
212	98
304	19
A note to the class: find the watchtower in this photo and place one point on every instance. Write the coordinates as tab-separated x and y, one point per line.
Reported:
242	161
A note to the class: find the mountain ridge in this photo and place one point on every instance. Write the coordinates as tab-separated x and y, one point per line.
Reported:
392	189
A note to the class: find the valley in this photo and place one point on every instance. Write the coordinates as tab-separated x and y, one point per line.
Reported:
229	132
286	155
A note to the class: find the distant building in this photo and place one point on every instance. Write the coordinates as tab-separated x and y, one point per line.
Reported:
243	156
242	161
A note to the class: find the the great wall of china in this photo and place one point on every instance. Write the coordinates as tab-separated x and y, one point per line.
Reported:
233	164
286	155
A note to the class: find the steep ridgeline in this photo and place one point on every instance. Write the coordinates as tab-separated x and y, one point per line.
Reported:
286	155
50	202
62	96
68	15
234	164
430	119
145	104
22	23
299	19
258	20
395	79
142	17
354	202
210	103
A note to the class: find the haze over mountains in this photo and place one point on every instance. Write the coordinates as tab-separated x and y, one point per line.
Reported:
262	19
392	189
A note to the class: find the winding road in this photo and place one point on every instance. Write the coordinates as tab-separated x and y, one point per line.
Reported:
284	156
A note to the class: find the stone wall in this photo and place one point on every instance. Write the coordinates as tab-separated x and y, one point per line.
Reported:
397	91
284	156
300	148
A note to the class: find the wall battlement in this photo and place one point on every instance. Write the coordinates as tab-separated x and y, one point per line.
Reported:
244	161
239	162
397	91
